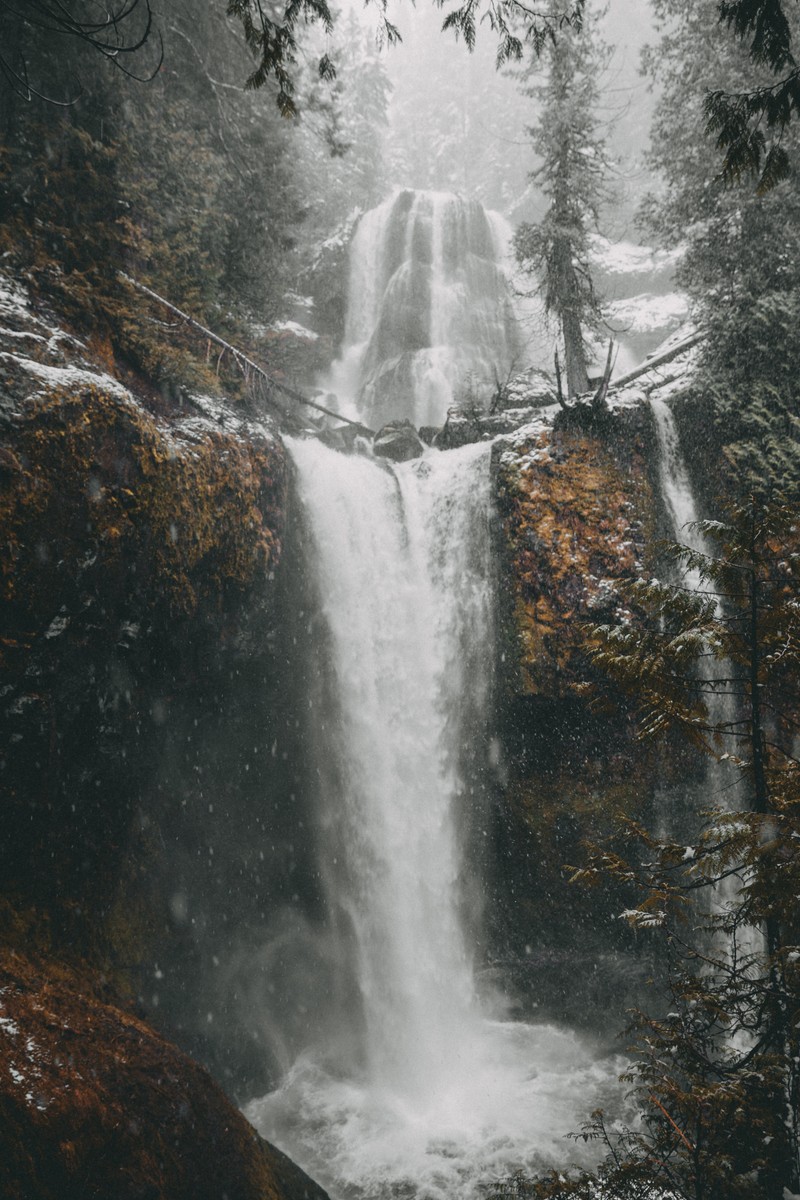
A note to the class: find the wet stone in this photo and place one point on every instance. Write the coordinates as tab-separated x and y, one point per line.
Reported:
399	441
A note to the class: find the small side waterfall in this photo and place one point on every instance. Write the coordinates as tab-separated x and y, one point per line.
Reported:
426	1090
676	490
722	784
429	314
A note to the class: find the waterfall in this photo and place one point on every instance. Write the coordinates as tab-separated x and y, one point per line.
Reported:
676	492
402	570
430	318
722	783
426	1089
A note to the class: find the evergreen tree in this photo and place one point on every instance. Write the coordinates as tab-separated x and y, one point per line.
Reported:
751	122
741	264
716	1068
186	182
571	174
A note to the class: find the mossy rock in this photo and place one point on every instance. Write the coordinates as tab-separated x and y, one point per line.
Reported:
577	514
94	1104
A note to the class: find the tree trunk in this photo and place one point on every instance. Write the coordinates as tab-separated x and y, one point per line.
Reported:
567	295
575	359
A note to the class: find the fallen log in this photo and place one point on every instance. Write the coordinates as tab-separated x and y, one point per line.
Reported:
659	360
242	359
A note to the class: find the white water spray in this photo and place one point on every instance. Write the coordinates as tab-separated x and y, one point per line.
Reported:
440	1097
430	315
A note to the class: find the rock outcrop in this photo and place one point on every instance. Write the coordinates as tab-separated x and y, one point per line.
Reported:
578	516
94	1103
398	441
139	592
578	519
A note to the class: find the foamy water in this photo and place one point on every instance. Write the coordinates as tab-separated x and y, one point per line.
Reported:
429	1095
510	1096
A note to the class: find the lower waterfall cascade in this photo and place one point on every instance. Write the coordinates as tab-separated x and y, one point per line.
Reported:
428	1089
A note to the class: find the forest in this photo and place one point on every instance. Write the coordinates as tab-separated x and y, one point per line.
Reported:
400	625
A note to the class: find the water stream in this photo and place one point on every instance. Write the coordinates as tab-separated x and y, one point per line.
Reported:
427	1089
430	321
722	784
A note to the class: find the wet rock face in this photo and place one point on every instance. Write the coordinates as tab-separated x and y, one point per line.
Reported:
131	547
398	441
576	519
139	596
577	513
94	1103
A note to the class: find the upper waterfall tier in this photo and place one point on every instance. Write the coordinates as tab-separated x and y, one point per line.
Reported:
430	320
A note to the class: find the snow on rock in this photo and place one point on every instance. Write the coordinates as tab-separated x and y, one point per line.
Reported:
628	258
34	353
14	301
648	313
627	397
295	328
68	377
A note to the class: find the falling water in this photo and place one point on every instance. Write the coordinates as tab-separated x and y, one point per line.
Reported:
430	318
676	488
676	491
722	784
434	1092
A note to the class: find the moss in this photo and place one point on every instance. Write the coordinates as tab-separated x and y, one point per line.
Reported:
135	553
575	514
94	1103
101	487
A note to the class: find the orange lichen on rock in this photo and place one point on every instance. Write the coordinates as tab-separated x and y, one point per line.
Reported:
94	1103
92	480
574	511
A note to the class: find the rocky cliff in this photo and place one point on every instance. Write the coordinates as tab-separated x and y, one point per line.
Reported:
95	1103
153	782
579	516
138	599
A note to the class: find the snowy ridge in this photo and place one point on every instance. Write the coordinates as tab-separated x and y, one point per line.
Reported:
41	358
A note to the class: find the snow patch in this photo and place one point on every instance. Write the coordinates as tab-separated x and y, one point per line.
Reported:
297	329
69	377
628	258
627	397
517	450
648	312
57	627
23	335
13	300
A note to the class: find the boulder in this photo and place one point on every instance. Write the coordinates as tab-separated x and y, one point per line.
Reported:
398	441
94	1103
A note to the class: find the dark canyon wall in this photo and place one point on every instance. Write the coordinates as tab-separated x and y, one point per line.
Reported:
142	688
579	517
